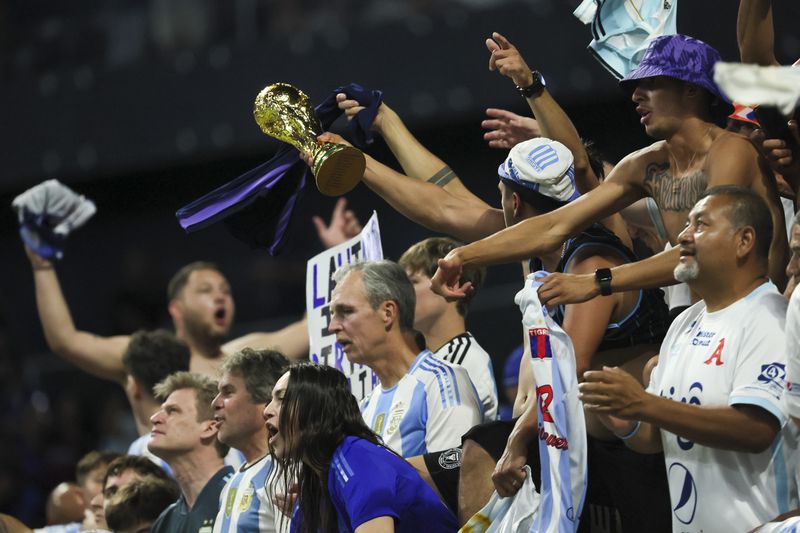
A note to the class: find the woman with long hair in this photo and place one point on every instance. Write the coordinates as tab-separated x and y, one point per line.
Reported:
347	479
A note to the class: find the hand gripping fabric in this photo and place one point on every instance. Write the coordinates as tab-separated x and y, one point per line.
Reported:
561	425
257	206
506	515
48	213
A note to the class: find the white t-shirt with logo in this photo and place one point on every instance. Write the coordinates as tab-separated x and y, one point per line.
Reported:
428	410
729	357
792	396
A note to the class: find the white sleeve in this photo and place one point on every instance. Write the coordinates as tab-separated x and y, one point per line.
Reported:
452	414
792	394
480	373
759	375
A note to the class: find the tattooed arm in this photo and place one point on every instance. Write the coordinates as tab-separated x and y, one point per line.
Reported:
622	188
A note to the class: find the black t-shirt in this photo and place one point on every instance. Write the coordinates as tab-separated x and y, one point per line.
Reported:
177	518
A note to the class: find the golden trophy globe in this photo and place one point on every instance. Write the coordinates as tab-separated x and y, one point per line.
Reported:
284	112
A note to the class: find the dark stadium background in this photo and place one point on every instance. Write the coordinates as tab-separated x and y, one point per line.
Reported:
145	106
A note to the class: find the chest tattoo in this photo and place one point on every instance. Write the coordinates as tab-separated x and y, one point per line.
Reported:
670	192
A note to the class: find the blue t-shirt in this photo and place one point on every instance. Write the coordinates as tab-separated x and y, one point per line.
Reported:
367	481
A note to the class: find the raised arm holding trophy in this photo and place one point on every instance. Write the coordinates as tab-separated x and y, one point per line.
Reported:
284	112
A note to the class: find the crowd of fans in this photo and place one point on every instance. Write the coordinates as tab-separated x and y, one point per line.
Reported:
657	410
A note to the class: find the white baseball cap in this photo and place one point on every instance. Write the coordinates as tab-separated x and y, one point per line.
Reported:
544	166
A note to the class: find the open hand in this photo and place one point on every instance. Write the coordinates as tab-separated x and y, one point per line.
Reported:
344	225
508	129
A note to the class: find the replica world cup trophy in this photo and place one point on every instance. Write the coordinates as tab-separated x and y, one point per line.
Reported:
284	112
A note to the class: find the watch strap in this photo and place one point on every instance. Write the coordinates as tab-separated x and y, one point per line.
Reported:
603	278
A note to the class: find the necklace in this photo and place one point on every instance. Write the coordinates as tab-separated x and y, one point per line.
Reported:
691	159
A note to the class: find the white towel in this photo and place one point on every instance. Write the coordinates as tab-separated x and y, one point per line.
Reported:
48	213
768	86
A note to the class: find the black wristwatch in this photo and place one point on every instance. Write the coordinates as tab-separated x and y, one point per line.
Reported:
535	88
603	278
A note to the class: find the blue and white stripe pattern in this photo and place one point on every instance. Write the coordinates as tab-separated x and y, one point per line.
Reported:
542	156
622	31
245	504
544	166
341	468
562	429
427	410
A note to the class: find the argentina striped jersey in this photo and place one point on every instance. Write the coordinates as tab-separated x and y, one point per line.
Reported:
427	410
561	424
245	504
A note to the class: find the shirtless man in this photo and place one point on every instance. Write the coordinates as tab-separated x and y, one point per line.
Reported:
675	101
201	307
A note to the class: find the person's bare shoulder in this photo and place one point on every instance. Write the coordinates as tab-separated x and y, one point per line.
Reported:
725	143
732	159
653	151
634	167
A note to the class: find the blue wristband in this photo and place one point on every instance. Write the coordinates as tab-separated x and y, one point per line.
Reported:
632	433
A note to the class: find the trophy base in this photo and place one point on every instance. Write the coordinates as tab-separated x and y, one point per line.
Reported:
338	168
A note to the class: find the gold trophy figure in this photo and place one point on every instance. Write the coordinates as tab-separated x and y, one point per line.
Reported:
284	112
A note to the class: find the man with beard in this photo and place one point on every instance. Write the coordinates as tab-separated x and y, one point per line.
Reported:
201	307
714	403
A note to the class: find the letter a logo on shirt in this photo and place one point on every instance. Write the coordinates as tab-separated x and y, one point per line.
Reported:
716	357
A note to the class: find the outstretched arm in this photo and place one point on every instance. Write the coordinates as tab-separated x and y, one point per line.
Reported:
429	205
291	341
755	32
99	356
653	272
415	159
550	230
553	121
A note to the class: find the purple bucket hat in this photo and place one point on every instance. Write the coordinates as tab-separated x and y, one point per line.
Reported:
681	57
